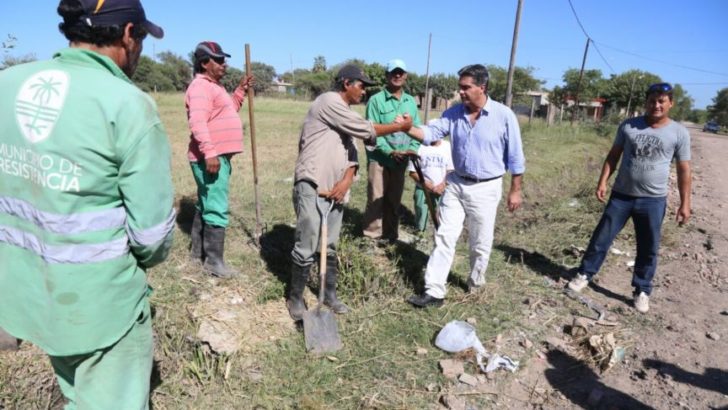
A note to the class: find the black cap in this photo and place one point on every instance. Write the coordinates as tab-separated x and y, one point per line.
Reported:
209	49
352	72
118	12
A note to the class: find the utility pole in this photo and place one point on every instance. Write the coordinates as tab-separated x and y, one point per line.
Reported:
629	101
427	80
512	64
578	83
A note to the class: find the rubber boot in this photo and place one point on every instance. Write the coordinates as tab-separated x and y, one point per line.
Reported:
213	244
332	275
295	303
196	238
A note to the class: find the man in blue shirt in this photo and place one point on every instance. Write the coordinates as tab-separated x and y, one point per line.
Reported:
486	143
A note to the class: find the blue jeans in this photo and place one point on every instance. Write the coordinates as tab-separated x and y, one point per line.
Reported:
647	214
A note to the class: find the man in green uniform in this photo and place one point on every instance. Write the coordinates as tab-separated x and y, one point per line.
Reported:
387	161
85	205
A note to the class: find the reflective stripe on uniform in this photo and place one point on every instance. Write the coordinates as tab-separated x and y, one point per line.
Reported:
153	235
64	224
80	253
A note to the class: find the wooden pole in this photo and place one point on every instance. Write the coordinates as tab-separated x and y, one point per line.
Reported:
427	101
249	71
578	83
512	63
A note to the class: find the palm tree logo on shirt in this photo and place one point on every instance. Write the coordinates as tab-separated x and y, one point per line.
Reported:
39	103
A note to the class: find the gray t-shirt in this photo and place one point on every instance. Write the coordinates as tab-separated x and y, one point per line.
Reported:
647	154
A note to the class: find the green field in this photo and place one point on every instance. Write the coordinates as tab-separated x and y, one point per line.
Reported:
379	366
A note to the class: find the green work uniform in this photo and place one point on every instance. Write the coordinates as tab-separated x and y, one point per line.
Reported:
213	191
383	108
385	176
85	207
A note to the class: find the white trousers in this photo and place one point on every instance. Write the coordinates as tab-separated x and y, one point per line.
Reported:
476	203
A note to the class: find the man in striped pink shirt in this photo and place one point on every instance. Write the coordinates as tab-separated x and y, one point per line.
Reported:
216	135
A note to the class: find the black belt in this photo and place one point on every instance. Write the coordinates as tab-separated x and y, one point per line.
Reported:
477	180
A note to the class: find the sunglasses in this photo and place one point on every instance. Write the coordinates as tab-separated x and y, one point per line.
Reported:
219	60
659	88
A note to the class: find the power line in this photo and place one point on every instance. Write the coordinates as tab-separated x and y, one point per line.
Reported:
611	70
663	62
579	21
719	83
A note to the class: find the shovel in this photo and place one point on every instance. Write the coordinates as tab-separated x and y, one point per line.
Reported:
320	330
428	198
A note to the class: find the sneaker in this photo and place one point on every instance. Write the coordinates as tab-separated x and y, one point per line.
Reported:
642	302
579	282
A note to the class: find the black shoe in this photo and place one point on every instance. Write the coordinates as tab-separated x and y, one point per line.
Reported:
424	300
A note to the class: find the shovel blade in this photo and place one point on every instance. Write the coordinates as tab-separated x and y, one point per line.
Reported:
321	332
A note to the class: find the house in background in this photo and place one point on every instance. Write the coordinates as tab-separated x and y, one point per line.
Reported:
280	86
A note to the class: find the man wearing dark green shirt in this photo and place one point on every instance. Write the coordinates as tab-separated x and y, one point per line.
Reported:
387	162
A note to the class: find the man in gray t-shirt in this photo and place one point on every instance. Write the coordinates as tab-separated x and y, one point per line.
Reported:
647	145
647	154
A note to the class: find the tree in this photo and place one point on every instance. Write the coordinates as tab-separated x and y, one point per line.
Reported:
718	111
231	79
313	83
319	64
149	76
698	116
264	75
378	74
443	86
523	81
176	68
415	85
682	104
8	60
592	85
9	43
627	90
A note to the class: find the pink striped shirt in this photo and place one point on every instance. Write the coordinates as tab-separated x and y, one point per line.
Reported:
212	114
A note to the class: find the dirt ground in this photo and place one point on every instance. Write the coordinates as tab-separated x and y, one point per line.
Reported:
677	354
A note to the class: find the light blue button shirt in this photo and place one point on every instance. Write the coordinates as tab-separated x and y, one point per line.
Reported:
486	149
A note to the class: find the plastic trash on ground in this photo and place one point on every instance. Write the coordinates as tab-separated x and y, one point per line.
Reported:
457	336
497	362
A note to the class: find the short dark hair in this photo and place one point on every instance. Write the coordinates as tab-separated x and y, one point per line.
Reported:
77	30
478	72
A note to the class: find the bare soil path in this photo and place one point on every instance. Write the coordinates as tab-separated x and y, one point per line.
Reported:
677	354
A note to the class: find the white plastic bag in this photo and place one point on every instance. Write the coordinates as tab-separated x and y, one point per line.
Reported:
457	336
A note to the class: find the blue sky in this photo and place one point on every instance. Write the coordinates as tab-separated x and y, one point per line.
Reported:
684	42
